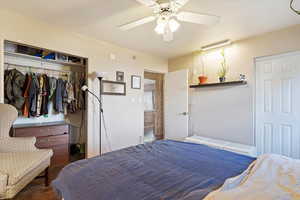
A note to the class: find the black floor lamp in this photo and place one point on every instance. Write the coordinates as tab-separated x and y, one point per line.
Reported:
86	89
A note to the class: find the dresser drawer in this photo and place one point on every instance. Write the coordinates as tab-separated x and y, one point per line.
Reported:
51	141
41	131
55	137
60	155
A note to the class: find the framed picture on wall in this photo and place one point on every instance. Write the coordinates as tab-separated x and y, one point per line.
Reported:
120	76
136	82
113	88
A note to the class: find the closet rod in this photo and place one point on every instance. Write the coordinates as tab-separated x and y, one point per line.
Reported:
42	68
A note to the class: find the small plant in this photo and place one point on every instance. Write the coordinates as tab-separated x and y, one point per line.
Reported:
224	67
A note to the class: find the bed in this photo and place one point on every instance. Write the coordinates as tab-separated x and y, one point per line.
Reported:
167	170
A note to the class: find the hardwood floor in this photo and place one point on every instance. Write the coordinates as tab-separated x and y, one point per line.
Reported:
36	190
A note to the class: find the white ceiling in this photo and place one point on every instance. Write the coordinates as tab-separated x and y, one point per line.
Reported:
100	19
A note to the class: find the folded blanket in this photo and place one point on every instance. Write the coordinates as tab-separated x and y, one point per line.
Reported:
270	177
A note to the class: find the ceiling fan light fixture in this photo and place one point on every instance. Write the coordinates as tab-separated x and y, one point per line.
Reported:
165	25
160	28
174	25
169	18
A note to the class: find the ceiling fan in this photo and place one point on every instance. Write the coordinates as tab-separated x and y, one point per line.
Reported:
167	15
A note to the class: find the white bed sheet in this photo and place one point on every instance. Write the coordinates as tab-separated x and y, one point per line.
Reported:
270	177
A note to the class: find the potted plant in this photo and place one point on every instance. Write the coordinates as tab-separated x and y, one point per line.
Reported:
202	78
224	68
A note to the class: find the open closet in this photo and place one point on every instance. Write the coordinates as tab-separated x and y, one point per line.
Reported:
45	87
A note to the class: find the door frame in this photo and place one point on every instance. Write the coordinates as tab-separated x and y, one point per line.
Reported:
159	77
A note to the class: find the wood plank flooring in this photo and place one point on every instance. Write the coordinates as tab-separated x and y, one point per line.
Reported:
36	190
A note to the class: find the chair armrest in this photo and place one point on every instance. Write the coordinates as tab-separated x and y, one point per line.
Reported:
3	182
17	144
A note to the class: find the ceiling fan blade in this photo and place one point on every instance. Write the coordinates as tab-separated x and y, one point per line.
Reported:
134	24
149	3
198	18
180	3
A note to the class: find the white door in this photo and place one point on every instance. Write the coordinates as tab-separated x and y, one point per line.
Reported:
278	105
176	105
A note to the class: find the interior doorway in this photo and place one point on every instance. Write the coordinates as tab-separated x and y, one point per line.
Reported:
153	107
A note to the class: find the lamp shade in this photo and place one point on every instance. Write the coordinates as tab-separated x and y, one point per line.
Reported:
174	25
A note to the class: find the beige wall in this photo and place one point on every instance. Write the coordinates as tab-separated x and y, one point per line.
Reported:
124	115
227	113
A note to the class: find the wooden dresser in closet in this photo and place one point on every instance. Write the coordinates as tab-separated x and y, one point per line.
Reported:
53	136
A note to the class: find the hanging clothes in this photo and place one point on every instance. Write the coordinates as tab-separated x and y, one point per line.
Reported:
71	98
76	90
58	105
45	97
40	95
13	82
65	97
33	95
7	86
26	106
79	94
52	85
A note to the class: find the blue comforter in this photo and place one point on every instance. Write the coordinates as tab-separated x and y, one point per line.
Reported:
163	170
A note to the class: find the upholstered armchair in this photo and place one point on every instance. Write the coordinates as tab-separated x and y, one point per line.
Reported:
20	160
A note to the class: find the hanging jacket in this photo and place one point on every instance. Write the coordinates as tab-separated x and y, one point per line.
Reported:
71	97
80	100
40	95
45	97
13	84
33	93
7	86
65	97
58	104
52	86
77	90
26	88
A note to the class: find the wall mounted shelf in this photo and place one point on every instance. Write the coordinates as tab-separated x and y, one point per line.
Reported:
42	60
229	83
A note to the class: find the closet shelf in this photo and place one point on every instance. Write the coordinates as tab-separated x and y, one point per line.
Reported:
20	55
229	83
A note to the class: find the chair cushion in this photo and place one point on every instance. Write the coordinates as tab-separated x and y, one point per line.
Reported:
16	165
